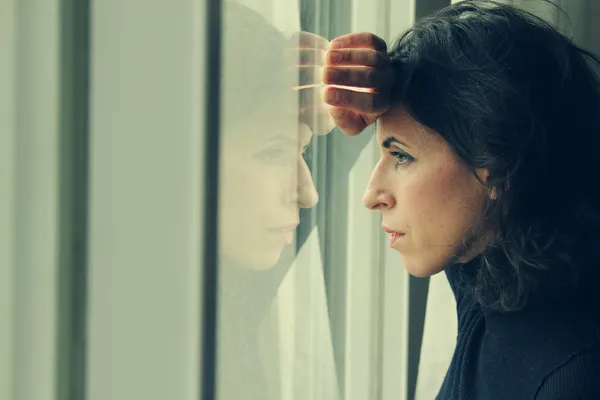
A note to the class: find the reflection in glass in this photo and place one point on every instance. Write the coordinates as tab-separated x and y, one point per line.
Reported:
271	108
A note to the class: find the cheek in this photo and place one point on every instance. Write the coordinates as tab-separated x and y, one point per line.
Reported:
250	188
251	201
439	211
443	206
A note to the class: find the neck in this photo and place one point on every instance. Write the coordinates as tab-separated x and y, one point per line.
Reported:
475	247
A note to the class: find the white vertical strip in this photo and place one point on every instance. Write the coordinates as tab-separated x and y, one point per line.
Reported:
145	197
362	311
400	16
362	286
305	331
193	365
363	294
37	104
439	337
376	279
7	182
363	290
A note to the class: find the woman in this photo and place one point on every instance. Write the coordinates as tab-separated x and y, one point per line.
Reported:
488	122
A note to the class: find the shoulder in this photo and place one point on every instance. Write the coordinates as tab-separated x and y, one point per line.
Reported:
578	378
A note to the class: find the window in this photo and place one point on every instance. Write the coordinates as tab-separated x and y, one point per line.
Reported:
173	225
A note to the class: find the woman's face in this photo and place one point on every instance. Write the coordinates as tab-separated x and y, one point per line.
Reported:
429	201
264	182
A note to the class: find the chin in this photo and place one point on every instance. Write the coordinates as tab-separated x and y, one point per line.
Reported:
422	268
259	254
257	260
261	263
259	257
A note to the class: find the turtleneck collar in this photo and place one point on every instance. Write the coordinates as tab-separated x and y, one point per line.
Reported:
540	309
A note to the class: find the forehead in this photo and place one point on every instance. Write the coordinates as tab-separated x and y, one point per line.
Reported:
267	127
397	122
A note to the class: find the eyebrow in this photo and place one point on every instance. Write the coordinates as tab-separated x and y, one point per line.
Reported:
387	142
290	141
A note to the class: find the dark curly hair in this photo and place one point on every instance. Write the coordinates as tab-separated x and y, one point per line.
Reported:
512	95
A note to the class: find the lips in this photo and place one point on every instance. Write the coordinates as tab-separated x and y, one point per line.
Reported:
286	228
394	236
388	230
286	232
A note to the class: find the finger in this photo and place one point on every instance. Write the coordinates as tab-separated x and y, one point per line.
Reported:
313	111
310	96
304	57
365	57
309	40
361	102
311	57
362	39
309	75
363	77
349	122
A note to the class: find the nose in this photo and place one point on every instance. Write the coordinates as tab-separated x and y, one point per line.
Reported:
308	197
376	196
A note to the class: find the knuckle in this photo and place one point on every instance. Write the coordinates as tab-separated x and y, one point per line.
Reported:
370	38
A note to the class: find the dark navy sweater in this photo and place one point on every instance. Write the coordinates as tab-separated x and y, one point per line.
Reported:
549	350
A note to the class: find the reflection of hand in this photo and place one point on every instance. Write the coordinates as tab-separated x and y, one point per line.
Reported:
309	59
359	61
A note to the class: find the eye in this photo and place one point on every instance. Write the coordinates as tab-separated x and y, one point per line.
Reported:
273	155
402	157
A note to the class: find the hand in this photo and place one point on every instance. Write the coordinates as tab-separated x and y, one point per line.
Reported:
360	78
308	55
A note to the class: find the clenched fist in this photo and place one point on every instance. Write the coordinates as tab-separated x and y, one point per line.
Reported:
359	80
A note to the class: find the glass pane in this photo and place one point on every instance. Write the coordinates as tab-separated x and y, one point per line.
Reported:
299	286
274	331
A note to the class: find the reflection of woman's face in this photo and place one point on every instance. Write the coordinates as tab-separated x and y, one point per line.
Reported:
264	181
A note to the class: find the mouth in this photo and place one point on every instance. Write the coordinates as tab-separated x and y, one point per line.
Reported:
395	237
286	232
286	228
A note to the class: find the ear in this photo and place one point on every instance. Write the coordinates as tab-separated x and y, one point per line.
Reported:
483	174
